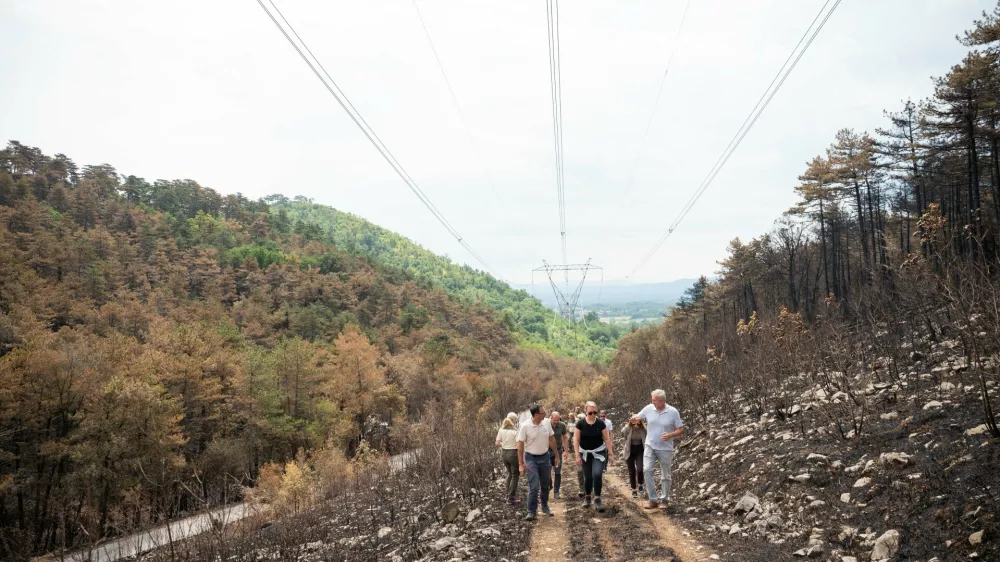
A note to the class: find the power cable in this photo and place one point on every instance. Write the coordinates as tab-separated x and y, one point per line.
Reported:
555	79
656	103
748	124
458	107
331	86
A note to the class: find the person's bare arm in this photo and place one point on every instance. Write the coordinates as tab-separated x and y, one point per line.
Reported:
552	445
520	456
576	444
667	435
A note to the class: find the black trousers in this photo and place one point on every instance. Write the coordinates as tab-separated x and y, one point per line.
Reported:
556	470
634	464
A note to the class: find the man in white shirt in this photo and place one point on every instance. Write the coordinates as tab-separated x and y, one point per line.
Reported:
607	422
663	425
534	439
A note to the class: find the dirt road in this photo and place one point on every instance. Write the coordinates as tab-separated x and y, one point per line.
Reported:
624	532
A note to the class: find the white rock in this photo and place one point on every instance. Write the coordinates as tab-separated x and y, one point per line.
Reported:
889	416
862	482
886	546
802	478
976	538
443	543
848	559
472	515
734	529
933	404
816	457
978	430
897	460
743	441
845	497
384	532
747	503
947	386
817	503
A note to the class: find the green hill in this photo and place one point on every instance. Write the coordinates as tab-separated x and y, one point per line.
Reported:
532	323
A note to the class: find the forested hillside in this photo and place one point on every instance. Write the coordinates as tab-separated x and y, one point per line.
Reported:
858	342
160	344
531	322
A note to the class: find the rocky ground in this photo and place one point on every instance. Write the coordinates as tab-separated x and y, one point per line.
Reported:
920	482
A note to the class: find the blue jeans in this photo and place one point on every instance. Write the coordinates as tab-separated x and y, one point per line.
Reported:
666	459
537	469
593	474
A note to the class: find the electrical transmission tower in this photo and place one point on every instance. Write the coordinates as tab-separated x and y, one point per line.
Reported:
567	301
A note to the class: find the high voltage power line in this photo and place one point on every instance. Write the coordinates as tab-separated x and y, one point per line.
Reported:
454	100
748	124
555	78
656	103
328	82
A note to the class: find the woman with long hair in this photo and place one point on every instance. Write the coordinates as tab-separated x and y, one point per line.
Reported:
594	453
635	437
507	441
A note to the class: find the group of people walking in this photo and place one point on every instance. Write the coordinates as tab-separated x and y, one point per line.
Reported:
537	447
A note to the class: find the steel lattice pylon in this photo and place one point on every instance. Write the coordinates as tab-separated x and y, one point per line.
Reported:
567	304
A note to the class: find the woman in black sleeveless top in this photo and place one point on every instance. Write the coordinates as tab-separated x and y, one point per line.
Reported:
593	452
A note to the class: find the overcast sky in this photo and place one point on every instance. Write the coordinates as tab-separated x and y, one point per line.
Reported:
209	90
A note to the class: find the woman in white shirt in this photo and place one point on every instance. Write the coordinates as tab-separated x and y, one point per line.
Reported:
507	441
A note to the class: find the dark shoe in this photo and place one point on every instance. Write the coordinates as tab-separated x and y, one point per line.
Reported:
597	505
586	501
514	501
653	505
547	511
635	494
642	489
555	496
529	517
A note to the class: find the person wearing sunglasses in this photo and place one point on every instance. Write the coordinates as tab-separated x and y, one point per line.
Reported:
635	439
594	453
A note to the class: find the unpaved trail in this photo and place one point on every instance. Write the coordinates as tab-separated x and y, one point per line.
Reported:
548	540
624	532
670	534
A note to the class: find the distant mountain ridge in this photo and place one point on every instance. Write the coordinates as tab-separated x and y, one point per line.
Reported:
617	293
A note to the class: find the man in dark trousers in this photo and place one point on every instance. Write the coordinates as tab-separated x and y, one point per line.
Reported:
562	439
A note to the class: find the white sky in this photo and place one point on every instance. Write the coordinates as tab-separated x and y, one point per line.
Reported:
209	90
